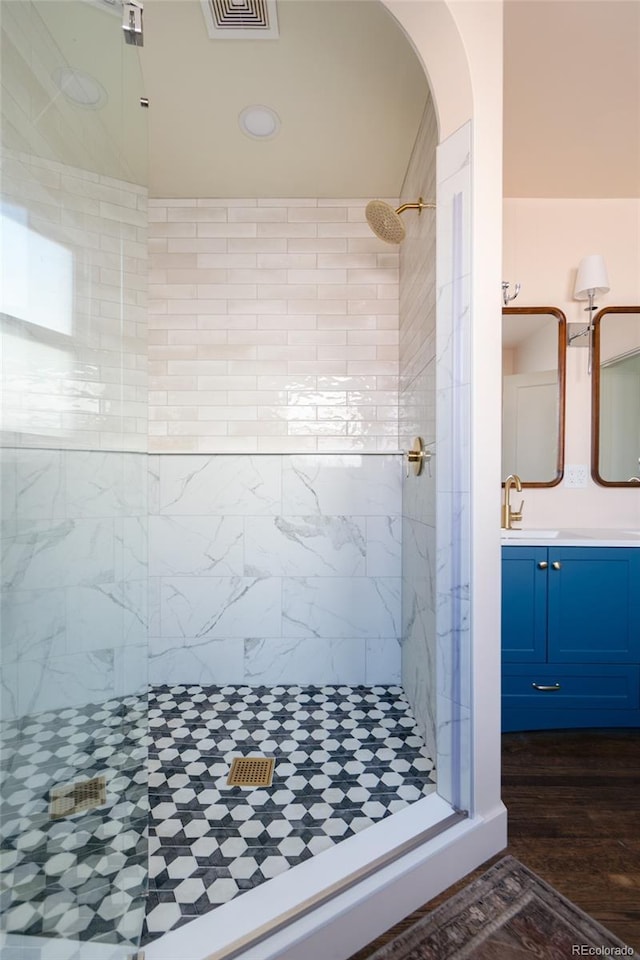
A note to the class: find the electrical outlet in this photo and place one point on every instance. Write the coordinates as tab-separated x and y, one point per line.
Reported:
576	474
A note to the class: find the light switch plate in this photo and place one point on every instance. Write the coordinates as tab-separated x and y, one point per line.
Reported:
576	475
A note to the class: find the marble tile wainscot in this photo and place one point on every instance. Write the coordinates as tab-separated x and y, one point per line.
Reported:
275	568
73	613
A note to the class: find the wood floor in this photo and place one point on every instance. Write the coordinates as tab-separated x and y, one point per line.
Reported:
573	798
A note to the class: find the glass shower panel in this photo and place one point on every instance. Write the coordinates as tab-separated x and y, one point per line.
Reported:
73	650
417	418
453	478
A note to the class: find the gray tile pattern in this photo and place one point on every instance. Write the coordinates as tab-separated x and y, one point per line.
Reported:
346	756
83	877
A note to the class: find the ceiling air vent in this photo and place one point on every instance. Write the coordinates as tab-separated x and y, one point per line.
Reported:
241	19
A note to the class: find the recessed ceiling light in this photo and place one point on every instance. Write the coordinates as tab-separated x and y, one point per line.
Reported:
80	88
258	122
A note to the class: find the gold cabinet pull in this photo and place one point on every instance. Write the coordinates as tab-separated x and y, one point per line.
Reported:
546	687
543	565
556	565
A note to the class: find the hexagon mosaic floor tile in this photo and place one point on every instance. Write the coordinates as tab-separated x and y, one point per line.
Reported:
80	877
345	758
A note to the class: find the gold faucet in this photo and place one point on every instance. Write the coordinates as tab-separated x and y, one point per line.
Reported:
509	515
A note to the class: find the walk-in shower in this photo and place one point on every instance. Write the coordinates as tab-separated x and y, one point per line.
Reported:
212	548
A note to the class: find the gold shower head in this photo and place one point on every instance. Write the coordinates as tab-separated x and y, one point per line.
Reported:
385	221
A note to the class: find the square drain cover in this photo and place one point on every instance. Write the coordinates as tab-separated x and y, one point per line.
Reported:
251	772
77	797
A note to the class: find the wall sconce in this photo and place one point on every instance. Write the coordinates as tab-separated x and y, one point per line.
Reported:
591	279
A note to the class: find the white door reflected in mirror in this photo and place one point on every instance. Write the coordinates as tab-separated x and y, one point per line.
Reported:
533	355
616	397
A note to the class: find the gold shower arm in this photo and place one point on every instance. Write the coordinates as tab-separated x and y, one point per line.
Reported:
419	206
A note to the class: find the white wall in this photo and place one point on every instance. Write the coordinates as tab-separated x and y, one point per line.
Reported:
273	327
544	240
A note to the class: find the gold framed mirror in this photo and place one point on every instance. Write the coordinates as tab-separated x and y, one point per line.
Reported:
533	394
615	397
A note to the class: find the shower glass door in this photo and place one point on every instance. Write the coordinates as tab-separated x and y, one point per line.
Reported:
73	649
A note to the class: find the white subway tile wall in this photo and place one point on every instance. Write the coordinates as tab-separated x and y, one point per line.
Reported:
82	381
418	297
273	327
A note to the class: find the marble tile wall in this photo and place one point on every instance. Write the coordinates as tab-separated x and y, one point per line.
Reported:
417	417
275	569
273	327
453	475
73	602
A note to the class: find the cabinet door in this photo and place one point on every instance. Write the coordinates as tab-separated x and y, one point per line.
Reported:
594	605
524	604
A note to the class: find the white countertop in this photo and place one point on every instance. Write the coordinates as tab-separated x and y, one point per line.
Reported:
571	537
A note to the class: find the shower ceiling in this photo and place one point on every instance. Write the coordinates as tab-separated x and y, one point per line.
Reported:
342	77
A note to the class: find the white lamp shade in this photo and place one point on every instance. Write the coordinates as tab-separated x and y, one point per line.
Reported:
591	278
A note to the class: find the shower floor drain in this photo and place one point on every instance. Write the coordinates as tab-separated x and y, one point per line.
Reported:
77	797
251	772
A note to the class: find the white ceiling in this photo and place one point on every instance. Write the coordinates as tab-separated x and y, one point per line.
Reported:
345	82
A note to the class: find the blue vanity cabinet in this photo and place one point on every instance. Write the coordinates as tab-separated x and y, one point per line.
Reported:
594	604
524	604
570	637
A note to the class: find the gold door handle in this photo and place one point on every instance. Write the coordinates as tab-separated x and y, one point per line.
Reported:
546	688
543	565
556	565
